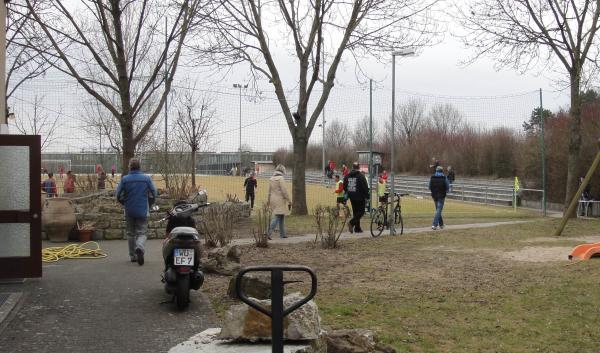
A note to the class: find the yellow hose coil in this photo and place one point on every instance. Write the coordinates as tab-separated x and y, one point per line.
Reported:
88	250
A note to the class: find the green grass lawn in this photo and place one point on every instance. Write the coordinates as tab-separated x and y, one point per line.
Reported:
416	212
457	291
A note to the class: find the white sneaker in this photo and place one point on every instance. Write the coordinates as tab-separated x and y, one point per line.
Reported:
434	227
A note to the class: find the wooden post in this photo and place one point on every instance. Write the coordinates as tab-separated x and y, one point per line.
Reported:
575	200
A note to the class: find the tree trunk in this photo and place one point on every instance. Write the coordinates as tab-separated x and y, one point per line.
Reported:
194	168
128	147
573	166
299	178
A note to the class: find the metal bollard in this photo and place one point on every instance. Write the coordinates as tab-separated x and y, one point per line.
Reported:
277	312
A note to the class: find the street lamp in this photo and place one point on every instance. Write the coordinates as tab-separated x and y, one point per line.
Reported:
240	86
402	52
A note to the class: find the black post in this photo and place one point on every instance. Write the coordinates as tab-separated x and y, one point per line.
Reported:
277	310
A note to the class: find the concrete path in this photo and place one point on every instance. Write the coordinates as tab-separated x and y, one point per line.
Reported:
106	305
367	233
113	305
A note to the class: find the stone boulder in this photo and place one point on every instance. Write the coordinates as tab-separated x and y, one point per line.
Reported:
253	285
355	341
223	261
243	323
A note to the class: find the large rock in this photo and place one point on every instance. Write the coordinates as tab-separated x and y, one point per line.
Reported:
253	285
246	324
355	341
208	342
222	261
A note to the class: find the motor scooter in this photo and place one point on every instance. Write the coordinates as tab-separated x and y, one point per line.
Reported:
181	251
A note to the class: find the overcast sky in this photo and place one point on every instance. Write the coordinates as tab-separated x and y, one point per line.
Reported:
436	75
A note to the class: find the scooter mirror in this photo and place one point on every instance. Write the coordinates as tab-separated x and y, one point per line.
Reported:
202	197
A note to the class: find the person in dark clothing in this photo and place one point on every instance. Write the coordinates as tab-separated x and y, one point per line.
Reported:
250	184
438	185
451	177
355	184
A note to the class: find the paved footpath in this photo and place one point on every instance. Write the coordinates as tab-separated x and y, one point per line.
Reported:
107	305
113	305
367	233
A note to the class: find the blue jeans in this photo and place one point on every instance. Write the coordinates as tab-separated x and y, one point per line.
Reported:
439	206
278	218
137	233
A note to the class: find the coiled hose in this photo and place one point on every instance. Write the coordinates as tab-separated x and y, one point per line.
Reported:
88	250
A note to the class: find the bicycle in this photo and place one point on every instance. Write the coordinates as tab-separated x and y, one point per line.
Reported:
379	219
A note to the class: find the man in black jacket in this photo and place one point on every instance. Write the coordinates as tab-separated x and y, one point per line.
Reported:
438	185
355	184
250	184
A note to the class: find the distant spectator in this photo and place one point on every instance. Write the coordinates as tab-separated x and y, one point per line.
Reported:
451	176
345	170
340	198
331	166
381	185
99	168
102	181
113	169
69	184
250	184
49	186
384	175
434	164
61	171
586	196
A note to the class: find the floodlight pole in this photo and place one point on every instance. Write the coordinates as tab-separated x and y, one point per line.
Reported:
3	109
239	85
404	52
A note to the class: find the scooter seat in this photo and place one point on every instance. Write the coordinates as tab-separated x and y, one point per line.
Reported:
183	231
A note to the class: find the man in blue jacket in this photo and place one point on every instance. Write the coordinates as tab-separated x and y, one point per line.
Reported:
136	192
438	185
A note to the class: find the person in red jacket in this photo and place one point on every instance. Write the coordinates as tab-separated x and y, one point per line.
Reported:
345	170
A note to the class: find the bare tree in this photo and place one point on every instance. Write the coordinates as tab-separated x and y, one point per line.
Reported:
248	30
116	51
23	61
360	135
445	119
195	121
337	135
522	33
411	119
38	122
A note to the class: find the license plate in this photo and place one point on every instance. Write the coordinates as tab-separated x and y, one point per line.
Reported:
183	257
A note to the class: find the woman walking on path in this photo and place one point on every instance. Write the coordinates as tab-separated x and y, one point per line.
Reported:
278	201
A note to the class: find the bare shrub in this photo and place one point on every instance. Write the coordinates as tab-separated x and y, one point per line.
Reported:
232	198
86	183
262	227
218	225
179	187
330	222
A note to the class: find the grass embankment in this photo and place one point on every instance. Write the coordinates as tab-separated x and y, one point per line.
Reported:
455	291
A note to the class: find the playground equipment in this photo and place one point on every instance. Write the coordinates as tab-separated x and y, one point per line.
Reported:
585	251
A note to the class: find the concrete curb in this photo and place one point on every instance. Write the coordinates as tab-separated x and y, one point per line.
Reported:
9	308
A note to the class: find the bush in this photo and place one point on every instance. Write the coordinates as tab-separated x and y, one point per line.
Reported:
218	225
330	222
262	227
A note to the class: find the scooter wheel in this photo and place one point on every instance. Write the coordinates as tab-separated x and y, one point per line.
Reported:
182	292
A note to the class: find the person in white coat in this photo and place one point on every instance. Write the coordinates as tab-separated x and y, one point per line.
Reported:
278	201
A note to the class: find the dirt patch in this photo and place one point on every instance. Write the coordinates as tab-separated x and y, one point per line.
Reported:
584	239
538	254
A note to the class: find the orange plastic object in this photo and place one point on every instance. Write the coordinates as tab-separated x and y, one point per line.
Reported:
585	251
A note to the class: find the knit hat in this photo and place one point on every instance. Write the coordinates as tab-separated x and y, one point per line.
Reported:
439	168
280	168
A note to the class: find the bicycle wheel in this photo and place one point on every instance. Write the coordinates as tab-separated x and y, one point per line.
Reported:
377	223
398	219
